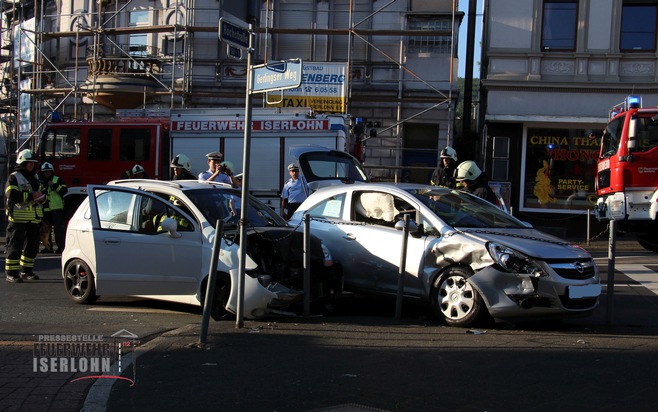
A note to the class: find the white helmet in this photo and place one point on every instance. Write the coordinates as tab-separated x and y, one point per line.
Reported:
137	169
181	161
26	155
47	167
467	170
449	153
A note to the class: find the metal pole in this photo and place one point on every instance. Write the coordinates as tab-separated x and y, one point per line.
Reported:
403	264
239	321
307	264
611	271
212	276
589	218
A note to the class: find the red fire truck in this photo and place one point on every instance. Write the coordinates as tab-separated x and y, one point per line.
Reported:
97	152
627	171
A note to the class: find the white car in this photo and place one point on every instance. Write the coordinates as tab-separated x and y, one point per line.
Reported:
154	239
465	256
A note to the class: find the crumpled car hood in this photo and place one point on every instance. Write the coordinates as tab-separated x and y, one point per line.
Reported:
530	242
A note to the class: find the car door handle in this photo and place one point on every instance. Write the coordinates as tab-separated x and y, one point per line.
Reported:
112	241
349	236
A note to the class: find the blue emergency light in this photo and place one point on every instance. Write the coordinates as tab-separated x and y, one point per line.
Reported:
633	102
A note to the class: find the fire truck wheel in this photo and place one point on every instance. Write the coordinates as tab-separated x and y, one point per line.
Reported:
79	282
647	242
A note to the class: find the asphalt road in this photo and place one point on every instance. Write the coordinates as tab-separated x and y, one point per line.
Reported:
358	358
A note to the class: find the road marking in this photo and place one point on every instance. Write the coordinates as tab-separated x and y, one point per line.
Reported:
138	310
641	274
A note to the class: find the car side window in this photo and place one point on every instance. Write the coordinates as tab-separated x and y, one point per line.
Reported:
329	208
115	210
380	208
154	211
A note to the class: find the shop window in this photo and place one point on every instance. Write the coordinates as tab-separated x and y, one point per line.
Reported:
559	25
638	27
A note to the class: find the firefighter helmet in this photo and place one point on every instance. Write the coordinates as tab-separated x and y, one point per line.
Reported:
137	169
449	153
467	170
26	155
181	161
47	167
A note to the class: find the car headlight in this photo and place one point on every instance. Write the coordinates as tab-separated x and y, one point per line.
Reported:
514	261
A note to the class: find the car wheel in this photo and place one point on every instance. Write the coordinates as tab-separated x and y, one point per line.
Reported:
79	282
455	300
220	297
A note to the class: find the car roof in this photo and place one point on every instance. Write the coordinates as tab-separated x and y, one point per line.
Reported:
182	185
381	185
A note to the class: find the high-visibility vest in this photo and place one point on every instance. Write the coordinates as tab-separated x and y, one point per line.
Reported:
55	200
27	211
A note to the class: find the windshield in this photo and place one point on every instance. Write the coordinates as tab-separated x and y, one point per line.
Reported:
459	209
226	204
611	137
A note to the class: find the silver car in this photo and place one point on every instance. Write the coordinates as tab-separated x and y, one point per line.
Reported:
465	256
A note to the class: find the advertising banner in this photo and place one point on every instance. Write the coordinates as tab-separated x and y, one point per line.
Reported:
323	89
560	169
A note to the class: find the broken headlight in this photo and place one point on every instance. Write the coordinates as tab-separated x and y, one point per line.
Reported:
513	261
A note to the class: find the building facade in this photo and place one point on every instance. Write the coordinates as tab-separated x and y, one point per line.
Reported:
86	58
551	71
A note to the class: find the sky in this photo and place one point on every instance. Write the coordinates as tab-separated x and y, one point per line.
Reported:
463	6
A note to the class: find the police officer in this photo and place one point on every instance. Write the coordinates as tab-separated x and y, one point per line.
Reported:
53	211
294	192
216	170
182	168
444	174
475	182
23	197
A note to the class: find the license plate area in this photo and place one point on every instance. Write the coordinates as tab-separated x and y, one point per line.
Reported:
584	291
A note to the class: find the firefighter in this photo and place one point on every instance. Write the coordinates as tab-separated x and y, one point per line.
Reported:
294	192
24	198
444	174
53	211
182	169
137	172
475	181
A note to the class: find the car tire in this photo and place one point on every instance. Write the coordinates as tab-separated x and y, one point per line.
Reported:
79	282
455	300
220	297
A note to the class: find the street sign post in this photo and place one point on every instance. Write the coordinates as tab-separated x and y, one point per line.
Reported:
277	76
233	34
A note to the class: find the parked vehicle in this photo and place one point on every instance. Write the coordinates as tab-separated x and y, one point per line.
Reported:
627	171
154	239
465	257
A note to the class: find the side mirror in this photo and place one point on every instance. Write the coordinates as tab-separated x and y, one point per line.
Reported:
413	227
171	226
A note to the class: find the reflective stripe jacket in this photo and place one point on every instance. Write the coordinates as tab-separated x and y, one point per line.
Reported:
56	194
20	207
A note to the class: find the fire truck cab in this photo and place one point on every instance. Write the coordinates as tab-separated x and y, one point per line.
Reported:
627	170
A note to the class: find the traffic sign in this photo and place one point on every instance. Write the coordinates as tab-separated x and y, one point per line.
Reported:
233	34
277	76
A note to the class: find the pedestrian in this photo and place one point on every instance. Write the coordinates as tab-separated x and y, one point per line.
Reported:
182	168
475	181
294	192
23	205
217	172
444	174
53	211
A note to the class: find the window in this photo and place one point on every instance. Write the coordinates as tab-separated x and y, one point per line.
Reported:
139	41
638	27
99	145
500	158
61	143
134	144
329	208
559	26
430	44
381	208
